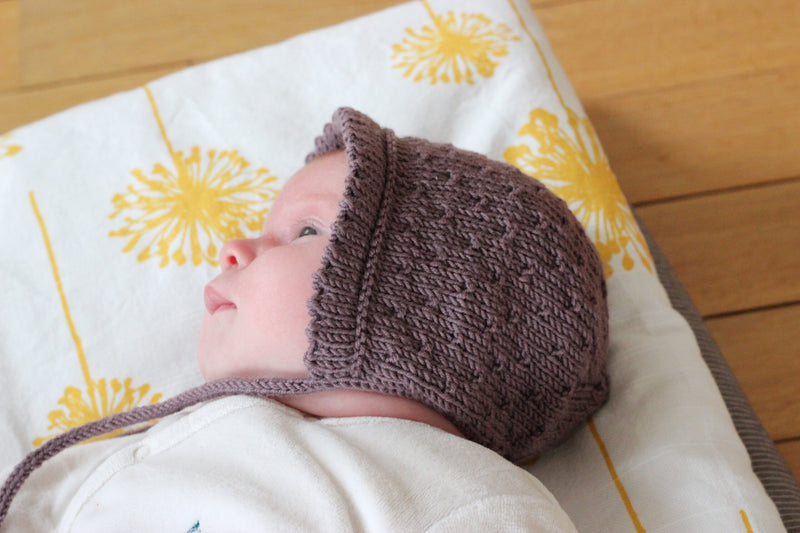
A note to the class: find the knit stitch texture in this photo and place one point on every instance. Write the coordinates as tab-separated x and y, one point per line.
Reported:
462	283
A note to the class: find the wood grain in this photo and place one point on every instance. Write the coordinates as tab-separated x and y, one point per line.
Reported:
108	36
707	136
9	50
620	46
735	250
763	350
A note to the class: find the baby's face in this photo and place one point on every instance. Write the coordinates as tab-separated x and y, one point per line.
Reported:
256	312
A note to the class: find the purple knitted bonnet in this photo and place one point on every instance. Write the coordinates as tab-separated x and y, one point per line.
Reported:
462	283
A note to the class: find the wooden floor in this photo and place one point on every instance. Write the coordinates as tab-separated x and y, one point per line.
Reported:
697	104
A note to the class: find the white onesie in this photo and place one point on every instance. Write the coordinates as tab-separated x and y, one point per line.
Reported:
246	464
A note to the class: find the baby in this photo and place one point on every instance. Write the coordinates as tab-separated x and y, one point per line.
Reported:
422	315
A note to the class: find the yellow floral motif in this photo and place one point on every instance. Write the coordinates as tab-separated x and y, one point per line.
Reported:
100	403
582	176
452	47
203	200
197	206
6	149
122	397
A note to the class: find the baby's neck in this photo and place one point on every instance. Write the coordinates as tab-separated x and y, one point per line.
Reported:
346	403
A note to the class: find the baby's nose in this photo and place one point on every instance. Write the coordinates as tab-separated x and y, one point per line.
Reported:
237	253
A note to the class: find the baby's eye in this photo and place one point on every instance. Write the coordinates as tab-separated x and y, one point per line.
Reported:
308	230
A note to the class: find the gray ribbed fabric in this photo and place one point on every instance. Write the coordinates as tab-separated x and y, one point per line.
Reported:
773	472
449	279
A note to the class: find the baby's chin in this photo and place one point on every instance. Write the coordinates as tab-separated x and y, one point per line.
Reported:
350	403
218	361
214	368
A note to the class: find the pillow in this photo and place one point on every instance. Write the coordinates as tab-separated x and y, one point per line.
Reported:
116	210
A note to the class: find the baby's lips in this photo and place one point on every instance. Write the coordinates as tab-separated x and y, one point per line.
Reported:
215	301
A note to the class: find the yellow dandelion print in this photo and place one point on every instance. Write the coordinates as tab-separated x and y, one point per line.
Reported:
102	397
182	212
202	202
581	175
450	49
6	148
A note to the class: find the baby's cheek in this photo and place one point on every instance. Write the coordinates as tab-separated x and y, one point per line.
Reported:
294	285
206	349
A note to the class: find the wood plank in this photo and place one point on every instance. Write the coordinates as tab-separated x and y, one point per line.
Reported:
9	51
613	46
536	4
110	36
762	350
737	250
707	136
791	452
21	107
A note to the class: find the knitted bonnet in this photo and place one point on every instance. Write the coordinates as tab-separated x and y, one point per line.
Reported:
462	283
450	279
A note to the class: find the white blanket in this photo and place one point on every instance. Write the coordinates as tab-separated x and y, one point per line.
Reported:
106	242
